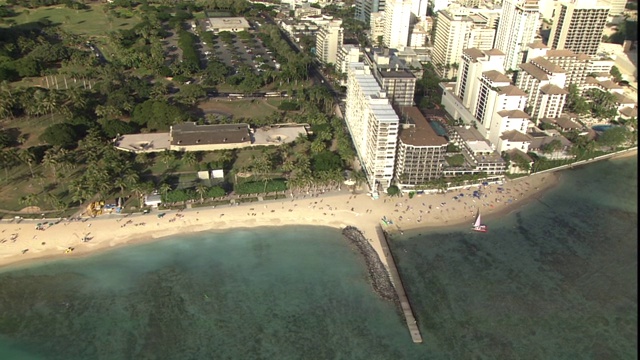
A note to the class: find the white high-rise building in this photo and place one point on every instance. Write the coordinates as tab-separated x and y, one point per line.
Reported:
419	8
546	8
457	28
373	125
578	26
364	9
484	95
397	14
376	28
545	83
616	7
441	5
517	29
328	42
473	63
348	54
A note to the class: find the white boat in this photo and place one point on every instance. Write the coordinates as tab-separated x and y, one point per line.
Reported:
478	225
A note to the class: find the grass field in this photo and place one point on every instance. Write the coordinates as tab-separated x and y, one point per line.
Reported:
245	108
91	22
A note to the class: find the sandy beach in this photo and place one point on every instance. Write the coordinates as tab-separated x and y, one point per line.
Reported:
22	242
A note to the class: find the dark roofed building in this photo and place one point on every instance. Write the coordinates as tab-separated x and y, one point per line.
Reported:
513	165
629	112
421	150
189	136
564	123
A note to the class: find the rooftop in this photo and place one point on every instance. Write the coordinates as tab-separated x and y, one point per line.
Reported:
150	142
534	71
473	53
189	133
421	134
228	22
514	114
389	73
511	90
551	89
515	136
547	65
496	76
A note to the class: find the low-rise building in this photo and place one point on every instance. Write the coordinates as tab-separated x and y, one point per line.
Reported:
480	157
541	139
231	24
305	9
189	136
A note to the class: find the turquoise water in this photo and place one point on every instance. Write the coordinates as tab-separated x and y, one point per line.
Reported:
553	280
602	127
556	279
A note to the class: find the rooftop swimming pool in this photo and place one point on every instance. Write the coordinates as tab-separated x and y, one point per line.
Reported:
438	128
602	128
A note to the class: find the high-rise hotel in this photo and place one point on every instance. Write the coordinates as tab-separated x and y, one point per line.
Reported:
373	125
517	29
578	26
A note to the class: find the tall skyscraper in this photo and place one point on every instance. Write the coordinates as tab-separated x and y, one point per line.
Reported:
364	9
578	26
373	125
457	28
517	29
419	8
397	14
328	42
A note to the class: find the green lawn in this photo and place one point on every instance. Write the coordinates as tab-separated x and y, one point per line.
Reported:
244	108
90	22
33	127
21	183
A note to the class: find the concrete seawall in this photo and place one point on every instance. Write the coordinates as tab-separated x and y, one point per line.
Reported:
412	324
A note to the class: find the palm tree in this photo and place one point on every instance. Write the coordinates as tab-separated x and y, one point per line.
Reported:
201	190
225	156
7	101
164	189
167	157
28	158
262	166
8	160
131	177
140	190
28	200
142	158
189	158
359	178
50	160
52	199
318	146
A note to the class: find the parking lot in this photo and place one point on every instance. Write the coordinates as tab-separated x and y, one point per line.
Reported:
239	51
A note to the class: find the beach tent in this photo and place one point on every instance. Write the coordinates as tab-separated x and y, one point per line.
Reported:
152	200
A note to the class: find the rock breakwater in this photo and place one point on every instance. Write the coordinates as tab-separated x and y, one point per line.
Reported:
378	274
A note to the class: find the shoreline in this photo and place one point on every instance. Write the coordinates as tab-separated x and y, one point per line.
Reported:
334	209
337	209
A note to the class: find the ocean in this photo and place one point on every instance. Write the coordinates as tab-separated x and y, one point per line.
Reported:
555	279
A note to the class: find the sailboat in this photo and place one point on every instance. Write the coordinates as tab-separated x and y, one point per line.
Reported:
478	225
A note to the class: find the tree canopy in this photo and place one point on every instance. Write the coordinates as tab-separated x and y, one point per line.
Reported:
157	115
63	135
